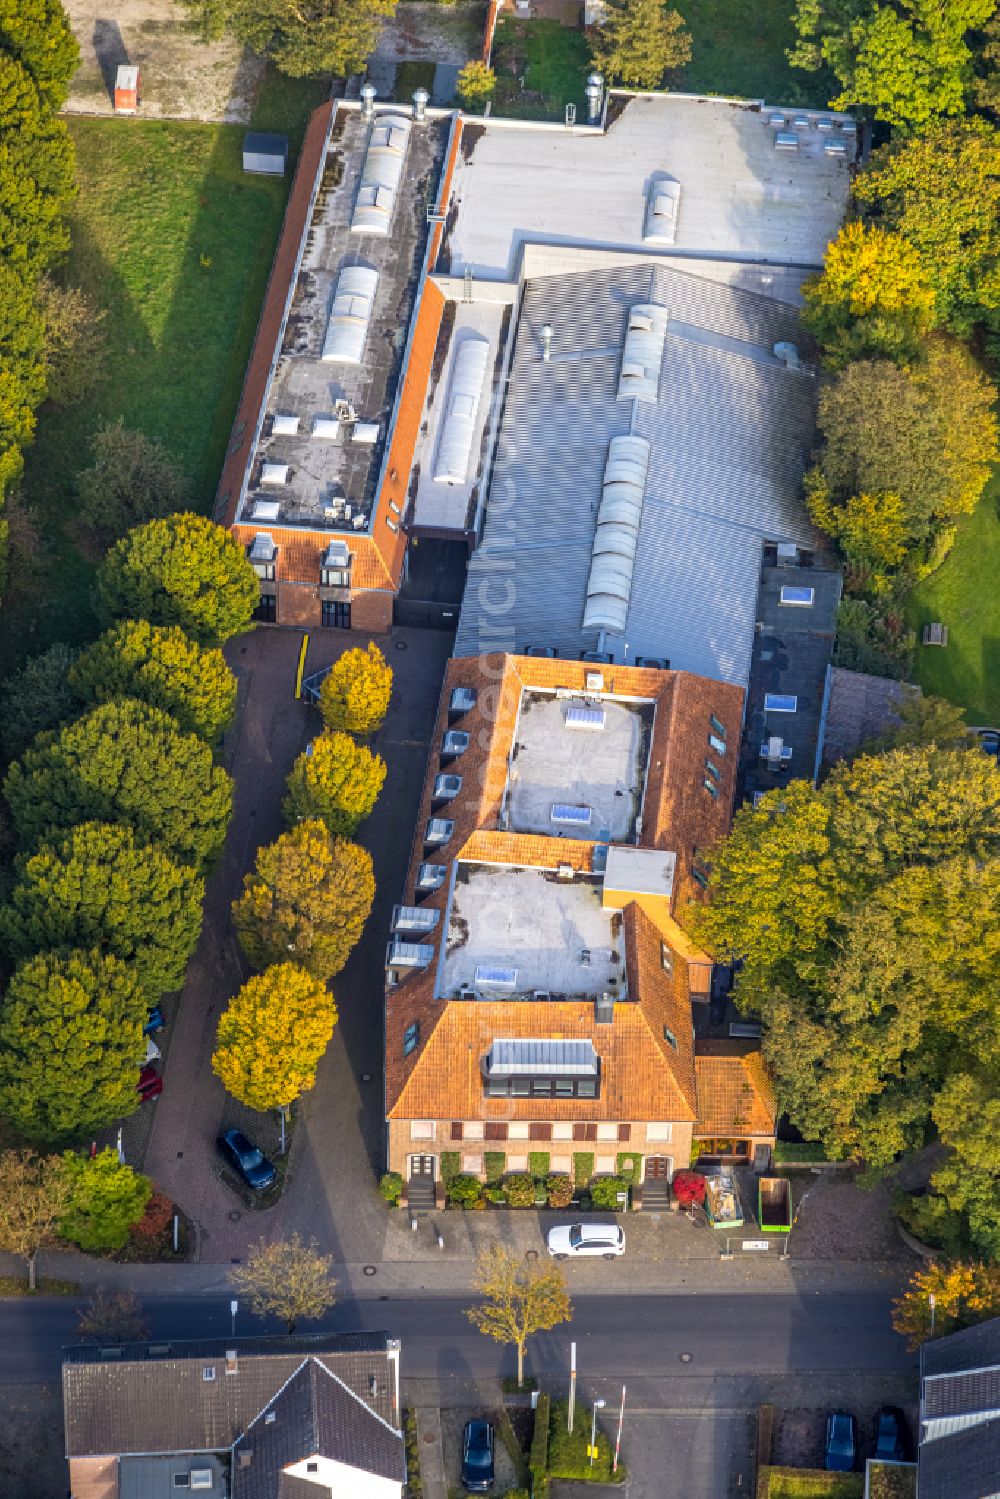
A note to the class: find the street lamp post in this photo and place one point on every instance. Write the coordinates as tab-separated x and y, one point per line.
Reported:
932	1299
598	1406
234	1307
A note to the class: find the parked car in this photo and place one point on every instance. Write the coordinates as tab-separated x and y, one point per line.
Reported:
841	1442
155	1023
150	1084
581	1239
477	1457
246	1159
892	1441
989	742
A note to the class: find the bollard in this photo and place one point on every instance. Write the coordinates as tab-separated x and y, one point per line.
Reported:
440	1239
413	1225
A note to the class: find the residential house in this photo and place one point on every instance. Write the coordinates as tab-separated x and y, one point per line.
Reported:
539	982
267	1418
959	1452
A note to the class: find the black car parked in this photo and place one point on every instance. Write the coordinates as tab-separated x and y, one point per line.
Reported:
246	1160
477	1457
892	1442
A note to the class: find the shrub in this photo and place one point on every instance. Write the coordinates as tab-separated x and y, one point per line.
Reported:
583	1167
495	1194
628	1165
464	1191
689	1188
391	1188
560	1191
495	1163
538	1164
538	1457
450	1163
568	1456
155	1220
520	1191
604	1192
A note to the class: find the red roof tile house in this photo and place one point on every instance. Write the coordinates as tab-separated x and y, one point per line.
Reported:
539	985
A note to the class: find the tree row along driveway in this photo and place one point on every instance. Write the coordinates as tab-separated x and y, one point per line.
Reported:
270	730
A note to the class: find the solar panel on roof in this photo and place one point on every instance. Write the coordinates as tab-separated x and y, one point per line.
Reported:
579	816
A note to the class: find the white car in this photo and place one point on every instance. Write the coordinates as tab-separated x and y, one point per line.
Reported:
576	1239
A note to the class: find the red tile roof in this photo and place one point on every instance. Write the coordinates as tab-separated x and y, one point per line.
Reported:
735	1093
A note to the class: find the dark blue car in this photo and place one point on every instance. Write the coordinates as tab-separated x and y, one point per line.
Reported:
841	1442
477	1457
246	1160
155	1023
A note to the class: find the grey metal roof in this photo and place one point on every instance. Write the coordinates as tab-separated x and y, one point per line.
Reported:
728	439
972	1348
965	1465
152	1398
961	1394
524	1058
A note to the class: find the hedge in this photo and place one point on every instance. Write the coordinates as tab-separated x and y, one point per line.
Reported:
451	1162
629	1164
496	1163
604	1192
463	1190
805	1151
568	1450
538	1457
559	1190
583	1167
520	1191
538	1164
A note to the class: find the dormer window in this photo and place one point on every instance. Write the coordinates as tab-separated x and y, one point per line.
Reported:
335	568
262	555
541	1069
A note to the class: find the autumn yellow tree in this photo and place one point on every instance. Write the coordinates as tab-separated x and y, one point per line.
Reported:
872	297
336	781
871	529
272	1035
287	1279
355	694
519	1299
944	1297
308	897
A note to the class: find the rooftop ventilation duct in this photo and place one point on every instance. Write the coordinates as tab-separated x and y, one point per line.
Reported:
595	97
350	315
380	175
642	355
458	430
462	701
368	92
788	354
663	204
420	101
609	586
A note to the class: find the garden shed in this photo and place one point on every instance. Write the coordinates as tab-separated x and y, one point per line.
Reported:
265	154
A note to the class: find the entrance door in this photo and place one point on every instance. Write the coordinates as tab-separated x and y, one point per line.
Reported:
658	1167
422	1165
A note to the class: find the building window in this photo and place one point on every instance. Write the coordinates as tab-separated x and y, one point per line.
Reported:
265	571
563	1130
719	745
669	1037
474	1129
710	787
540	1132
266	611
666	959
336	616
335	577
585	1132
421	1129
700	876
659	1132
718	727
456	1130
472	1164
607	1132
624	1134
712	768
496	1131
541	1087
410	1038
517	1131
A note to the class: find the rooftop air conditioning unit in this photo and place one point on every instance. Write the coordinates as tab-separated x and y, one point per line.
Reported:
565	872
462	701
594	681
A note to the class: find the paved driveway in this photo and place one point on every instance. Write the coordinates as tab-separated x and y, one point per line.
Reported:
341	1121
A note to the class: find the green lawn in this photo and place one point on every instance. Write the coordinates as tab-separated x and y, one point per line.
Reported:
172	238
808	1483
964	594
553	60
738	48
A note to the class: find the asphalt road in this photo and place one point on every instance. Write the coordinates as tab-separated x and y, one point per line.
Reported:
622	1336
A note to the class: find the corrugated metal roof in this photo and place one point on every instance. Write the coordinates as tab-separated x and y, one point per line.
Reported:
524	1058
728	439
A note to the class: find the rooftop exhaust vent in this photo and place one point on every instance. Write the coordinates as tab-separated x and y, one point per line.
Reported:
462	700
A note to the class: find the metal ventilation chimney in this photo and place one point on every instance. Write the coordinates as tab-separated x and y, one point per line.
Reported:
420	99
595	97
546	342
368	92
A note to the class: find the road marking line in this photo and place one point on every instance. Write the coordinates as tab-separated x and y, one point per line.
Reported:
302	661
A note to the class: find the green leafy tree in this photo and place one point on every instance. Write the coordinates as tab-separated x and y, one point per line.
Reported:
475	84
872	297
927	434
922	721
303	38
105	1199
272	1035
944	1297
941	191
287	1279
132	479
355	693
33	1196
160	665
181	570
870	938
907	63
639	41
36	175
871	529
112	1317
100	888
986	65
75	342
336	781
519	1299
71	1045
38	697
37	33
308	897
123	763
